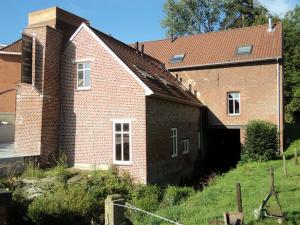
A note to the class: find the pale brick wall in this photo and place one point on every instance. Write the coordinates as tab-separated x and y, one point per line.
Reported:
38	106
86	129
163	115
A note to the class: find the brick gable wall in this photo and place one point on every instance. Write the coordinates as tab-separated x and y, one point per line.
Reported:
86	126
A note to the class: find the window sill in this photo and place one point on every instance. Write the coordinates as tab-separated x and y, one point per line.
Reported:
233	115
173	156
84	89
187	152
122	163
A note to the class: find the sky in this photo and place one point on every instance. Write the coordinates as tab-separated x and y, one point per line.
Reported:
127	20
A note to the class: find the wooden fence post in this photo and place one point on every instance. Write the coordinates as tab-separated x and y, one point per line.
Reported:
284	166
239	197
5	201
272	178
296	157
114	212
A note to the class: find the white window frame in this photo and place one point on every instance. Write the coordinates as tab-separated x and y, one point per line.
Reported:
122	162
83	70
186	146
239	100
174	137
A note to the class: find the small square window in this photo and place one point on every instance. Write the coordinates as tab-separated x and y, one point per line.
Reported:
244	50
185	145
177	58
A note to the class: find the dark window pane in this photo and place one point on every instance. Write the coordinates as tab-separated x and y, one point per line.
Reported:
80	66
118	147
126	127
80	79
237	106
230	96
231	106
126	147
118	127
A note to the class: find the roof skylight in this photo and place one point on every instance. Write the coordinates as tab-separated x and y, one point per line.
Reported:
145	73
177	58
244	50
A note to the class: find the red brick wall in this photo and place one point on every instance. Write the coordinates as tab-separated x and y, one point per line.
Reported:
86	126
10	76
257	84
161	117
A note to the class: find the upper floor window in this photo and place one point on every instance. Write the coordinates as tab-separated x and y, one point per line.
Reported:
185	145
174	141
122	142
83	76
234	102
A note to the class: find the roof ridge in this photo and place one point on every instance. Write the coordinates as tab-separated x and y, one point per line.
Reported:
212	32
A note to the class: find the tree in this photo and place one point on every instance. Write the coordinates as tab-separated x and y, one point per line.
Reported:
291	25
243	13
191	16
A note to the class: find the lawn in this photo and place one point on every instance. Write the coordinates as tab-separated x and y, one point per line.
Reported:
220	195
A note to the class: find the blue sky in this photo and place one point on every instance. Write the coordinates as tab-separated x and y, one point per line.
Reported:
127	20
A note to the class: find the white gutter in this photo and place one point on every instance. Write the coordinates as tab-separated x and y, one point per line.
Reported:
10	53
278	101
224	63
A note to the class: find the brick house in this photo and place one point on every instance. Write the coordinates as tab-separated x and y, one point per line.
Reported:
238	75
160	111
10	75
104	103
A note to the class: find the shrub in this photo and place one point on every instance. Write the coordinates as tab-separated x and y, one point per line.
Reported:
176	195
146	197
261	141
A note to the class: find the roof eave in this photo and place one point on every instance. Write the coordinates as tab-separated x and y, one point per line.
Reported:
177	100
225	63
10	53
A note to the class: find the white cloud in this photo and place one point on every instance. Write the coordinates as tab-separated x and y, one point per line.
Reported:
279	7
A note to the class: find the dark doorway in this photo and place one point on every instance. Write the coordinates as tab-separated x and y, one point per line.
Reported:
223	149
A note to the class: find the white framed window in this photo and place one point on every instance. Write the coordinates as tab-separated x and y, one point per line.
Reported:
234	103
122	142
185	145
174	142
83	76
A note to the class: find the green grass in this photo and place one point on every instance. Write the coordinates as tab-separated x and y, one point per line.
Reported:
220	196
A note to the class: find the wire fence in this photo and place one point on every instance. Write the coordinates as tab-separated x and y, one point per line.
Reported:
128	206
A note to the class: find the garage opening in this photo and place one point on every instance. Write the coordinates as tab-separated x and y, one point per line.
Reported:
223	149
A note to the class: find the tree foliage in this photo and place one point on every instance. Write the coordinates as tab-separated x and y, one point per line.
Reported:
291	25
191	16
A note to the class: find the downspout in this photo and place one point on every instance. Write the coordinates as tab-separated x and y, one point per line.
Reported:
278	103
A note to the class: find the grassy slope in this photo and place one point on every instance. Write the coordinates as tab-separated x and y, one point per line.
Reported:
210	203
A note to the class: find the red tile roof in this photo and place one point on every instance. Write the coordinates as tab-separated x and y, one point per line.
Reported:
150	71
13	47
218	47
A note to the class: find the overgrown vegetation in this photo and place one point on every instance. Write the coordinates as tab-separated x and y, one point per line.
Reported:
70	197
261	141
219	196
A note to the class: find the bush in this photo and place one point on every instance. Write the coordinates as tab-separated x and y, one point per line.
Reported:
261	141
176	195
146	197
